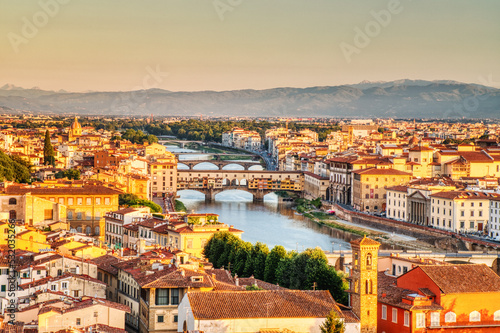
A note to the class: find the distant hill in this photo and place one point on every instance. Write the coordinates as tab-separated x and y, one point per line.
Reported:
401	99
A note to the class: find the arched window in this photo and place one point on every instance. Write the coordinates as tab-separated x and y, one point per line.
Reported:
369	259
88	230
450	317
97	231
12	201
496	315
474	316
59	272
367	291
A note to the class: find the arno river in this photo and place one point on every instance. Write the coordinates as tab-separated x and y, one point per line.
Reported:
267	222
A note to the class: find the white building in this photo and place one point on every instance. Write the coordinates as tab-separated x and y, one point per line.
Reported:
461	211
494	222
115	221
396	202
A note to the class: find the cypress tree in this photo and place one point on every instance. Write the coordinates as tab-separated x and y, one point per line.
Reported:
48	151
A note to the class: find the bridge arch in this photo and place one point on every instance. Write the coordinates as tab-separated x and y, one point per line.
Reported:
256	167
233	165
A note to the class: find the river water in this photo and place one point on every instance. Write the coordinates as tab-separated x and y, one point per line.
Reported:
268	222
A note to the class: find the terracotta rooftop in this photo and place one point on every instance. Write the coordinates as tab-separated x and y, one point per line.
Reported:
106	263
375	171
467	278
262	304
365	241
84	190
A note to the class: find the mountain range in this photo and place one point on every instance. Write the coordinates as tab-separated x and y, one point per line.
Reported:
395	99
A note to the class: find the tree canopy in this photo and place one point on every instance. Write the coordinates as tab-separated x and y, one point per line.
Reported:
14	168
306	270
132	200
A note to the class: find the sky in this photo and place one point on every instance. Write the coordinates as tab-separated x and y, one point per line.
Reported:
192	45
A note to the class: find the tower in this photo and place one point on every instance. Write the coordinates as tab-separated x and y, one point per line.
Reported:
351	135
75	129
363	290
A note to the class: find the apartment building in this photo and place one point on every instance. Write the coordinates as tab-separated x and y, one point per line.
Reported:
369	187
461	211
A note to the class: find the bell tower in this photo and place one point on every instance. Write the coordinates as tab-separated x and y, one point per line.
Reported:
363	286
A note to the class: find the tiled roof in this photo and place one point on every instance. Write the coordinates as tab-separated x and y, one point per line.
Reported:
106	263
365	241
84	190
262	304
465	195
180	278
261	284
375	171
398	188
467	278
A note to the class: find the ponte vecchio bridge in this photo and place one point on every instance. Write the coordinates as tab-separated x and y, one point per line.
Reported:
220	164
257	182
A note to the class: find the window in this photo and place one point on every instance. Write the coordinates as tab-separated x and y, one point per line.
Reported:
384	312
160	319
78	321
450	317
474	316
53	287
420	320
407	318
64	285
162	296
394	315
12	201
434	318
88	201
176	318
175	297
4	287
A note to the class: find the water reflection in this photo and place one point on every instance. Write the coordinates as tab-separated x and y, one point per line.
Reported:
266	222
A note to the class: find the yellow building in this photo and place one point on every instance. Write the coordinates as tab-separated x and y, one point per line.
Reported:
31	209
192	235
363	285
369	187
163	175
85	206
81	250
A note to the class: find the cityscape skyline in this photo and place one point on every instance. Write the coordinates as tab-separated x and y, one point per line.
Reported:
193	46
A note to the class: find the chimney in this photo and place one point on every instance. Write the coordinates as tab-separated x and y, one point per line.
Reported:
183	273
237	281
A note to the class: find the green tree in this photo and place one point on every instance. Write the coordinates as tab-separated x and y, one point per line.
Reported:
333	324
260	253
273	259
132	200
48	151
283	269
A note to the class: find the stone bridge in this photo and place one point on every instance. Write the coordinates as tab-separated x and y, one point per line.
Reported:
212	182
220	164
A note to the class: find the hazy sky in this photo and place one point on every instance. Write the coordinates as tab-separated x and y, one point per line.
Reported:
84	45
